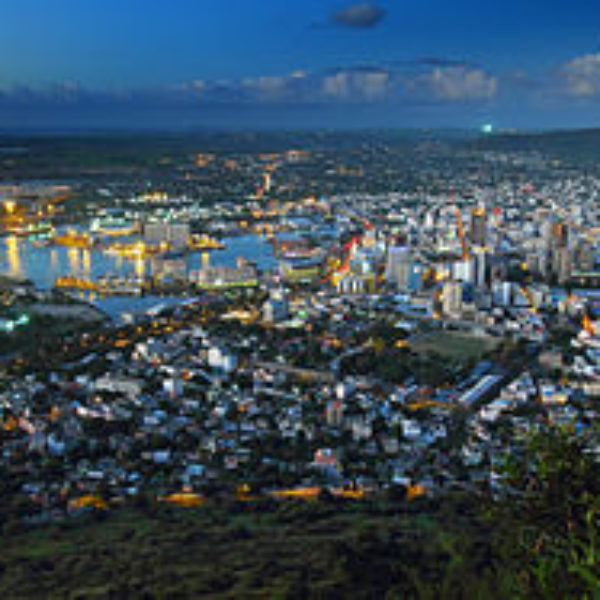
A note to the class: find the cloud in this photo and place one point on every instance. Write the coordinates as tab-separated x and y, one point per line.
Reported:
357	84
581	76
424	81
363	15
266	88
520	80
460	83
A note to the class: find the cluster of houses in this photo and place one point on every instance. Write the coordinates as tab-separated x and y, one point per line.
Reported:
207	406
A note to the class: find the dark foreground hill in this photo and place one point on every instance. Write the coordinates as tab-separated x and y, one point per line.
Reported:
295	550
541	541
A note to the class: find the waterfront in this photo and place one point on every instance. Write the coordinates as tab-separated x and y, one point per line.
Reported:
43	265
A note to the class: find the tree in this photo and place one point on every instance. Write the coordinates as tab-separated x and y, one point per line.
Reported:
555	516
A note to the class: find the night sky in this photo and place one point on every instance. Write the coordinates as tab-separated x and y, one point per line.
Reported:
317	63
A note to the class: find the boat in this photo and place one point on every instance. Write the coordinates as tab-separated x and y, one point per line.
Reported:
72	239
205	242
135	250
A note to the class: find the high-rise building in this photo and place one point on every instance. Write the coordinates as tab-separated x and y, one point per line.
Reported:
399	266
155	233
481	267
547	235
464	270
502	293
429	221
478	227
452	298
560	234
334	413
169	268
175	234
472	270
563	265
276	308
556	258
267	182
399	262
584	257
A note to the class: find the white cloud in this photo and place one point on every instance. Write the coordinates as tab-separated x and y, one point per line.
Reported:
439	81
582	76
459	83
374	85
266	87
367	84
336	86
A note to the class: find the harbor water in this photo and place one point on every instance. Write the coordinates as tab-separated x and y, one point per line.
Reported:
43	265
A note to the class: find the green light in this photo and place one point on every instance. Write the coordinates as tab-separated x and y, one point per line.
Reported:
22	320
487	128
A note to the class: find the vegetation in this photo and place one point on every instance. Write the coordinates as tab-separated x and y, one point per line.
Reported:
454	345
41	334
543	543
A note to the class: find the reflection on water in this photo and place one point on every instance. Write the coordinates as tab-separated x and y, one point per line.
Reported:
73	256
140	267
86	261
43	265
13	256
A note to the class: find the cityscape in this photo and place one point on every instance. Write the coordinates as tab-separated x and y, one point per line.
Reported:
349	343
304	348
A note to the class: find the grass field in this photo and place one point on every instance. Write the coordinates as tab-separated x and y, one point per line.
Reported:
454	345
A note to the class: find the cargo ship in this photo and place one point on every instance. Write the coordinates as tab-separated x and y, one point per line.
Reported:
72	239
109	285
33	231
204	242
135	250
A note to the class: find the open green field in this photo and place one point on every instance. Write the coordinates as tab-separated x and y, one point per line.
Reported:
455	345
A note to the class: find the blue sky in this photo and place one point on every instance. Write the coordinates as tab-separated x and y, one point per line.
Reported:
427	62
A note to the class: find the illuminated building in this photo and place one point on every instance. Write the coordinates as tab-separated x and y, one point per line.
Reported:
176	235
402	270
299	271
563	265
13	256
224	277
452	298
478	227
399	266
276	308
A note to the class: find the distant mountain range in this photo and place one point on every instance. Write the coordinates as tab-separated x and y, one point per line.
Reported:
577	143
